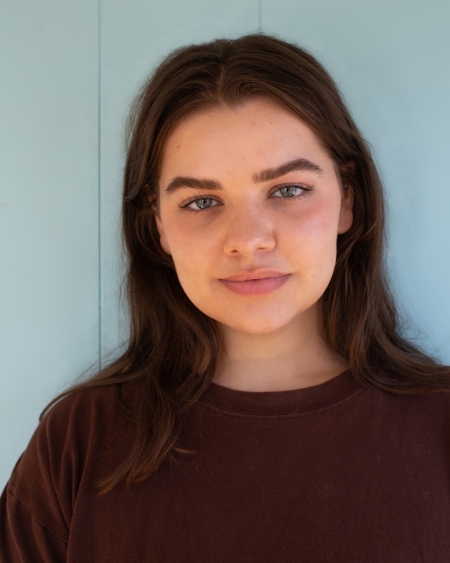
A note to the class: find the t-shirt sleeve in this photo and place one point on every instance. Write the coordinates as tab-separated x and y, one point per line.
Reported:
37	504
23	538
35	507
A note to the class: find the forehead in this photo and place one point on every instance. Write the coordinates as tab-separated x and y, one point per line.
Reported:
257	133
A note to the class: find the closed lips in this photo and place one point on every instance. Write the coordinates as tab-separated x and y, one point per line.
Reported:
249	276
255	284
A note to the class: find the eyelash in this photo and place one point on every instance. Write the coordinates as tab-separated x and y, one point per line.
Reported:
305	190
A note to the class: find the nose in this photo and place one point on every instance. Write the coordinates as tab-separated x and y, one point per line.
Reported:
247	232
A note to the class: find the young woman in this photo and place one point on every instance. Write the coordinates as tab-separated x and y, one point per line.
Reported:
267	408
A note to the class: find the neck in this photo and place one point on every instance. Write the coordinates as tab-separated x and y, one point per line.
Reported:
292	357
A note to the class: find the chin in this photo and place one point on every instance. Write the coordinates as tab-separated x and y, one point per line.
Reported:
256	327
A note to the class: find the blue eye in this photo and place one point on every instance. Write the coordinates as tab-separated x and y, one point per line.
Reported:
202	203
288	191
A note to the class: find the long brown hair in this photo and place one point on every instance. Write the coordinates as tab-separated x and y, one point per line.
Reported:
173	347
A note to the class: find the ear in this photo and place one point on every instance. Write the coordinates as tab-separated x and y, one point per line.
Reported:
346	215
159	226
346	173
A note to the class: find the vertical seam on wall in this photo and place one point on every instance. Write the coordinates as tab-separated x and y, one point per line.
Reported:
99	183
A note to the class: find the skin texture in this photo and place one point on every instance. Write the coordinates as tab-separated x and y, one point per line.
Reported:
272	341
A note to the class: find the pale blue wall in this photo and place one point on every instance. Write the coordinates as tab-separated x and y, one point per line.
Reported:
69	71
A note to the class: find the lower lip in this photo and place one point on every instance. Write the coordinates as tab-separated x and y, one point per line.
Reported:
256	287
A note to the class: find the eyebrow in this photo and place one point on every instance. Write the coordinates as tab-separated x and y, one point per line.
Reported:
265	176
297	164
187	182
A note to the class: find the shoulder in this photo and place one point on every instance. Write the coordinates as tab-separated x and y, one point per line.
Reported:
87	410
414	412
79	409
75	419
63	449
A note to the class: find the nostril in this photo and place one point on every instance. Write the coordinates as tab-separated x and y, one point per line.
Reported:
247	243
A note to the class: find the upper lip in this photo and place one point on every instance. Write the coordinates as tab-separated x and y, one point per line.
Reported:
246	275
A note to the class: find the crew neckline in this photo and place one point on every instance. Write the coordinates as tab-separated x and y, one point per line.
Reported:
293	401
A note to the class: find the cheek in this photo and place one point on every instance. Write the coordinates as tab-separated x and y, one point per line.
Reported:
319	223
312	238
193	254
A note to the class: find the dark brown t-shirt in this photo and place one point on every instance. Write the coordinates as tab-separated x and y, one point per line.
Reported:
337	472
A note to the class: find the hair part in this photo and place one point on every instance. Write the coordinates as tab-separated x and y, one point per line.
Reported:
173	347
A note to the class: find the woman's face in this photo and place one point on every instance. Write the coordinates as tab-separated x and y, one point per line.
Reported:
250	188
